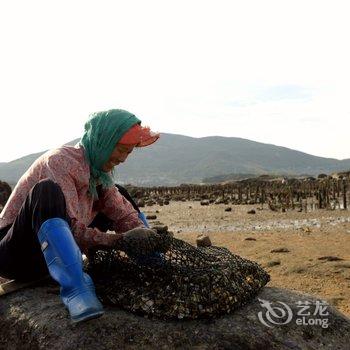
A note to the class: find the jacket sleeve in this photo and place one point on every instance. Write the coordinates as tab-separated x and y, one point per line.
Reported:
119	210
86	237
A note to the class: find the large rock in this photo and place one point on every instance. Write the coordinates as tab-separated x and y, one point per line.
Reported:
5	192
35	319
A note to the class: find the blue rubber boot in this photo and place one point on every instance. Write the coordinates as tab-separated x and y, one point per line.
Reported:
65	264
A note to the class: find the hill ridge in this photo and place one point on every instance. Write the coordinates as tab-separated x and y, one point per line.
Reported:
177	159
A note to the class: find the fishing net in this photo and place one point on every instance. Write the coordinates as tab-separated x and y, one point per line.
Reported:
183	282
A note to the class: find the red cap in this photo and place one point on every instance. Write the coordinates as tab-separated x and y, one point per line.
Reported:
140	136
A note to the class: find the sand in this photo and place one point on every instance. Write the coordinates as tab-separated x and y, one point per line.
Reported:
306	237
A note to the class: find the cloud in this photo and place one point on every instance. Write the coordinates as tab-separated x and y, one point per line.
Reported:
257	69
284	92
275	93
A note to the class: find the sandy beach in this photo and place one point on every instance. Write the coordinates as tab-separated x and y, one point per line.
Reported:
317	256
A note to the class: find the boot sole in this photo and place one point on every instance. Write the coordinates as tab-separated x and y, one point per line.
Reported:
90	316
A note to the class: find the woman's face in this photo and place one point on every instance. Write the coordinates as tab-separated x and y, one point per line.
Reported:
119	155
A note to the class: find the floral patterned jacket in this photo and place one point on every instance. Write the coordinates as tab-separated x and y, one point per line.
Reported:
68	167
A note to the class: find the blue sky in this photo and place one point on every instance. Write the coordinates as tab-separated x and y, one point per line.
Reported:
270	71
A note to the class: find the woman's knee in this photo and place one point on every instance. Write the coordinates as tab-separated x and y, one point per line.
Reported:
49	188
49	194
48	185
46	200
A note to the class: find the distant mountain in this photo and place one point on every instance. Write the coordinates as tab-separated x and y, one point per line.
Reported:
177	159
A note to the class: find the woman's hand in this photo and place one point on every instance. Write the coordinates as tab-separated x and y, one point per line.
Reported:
108	241
136	242
141	241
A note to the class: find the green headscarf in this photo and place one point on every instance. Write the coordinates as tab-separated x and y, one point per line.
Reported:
103	130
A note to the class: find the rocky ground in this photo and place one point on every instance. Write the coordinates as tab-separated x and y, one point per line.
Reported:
303	252
35	319
316	254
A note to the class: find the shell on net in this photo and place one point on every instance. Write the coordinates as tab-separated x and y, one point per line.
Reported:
182	282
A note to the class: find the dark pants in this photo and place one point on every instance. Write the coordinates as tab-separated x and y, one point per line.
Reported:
20	252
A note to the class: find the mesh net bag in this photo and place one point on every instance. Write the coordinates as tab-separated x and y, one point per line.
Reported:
185	282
